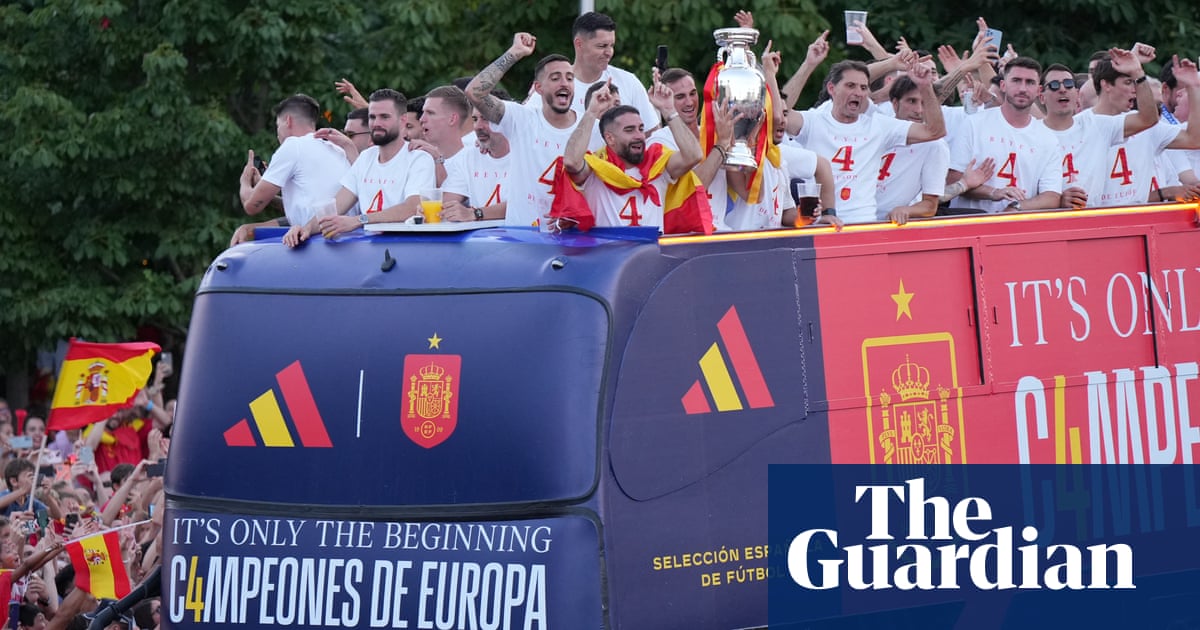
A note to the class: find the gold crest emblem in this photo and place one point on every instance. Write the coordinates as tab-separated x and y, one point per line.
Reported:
92	387
917	429
431	412
914	403
429	392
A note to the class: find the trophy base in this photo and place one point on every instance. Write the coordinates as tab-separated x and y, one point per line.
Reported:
740	157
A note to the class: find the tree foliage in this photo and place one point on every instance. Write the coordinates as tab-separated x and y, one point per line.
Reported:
124	123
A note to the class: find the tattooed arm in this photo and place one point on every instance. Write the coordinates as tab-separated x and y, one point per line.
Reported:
479	90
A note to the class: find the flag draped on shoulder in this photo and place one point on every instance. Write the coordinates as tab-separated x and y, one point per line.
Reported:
569	203
98	380
764	149
686	208
99	569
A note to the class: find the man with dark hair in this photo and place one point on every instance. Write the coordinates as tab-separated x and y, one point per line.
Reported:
385	181
1086	137
625	183
1130	166
305	170
854	142
1027	155
911	178
594	36
411	129
538	135
476	186
357	130
711	169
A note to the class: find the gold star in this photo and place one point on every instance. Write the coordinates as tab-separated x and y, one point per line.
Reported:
902	298
434	341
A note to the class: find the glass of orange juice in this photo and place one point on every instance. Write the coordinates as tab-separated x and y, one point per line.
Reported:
431	205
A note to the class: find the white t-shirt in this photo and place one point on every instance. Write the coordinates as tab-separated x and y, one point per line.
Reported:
1131	165
800	165
1167	168
630	209
534	146
379	186
308	172
1084	146
906	173
717	190
1028	158
854	151
774	198
481	178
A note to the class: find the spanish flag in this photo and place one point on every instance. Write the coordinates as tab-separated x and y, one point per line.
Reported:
99	568
686	208
98	380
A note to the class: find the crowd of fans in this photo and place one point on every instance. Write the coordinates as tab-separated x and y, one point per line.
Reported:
62	486
885	141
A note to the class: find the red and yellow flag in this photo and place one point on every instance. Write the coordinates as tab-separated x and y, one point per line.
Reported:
97	380
99	569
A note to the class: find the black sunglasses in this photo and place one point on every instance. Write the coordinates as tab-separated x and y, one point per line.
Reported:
351	134
1054	85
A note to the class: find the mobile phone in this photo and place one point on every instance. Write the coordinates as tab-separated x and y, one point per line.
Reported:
43	519
168	362
997	37
156	469
660	61
46	472
20	441
72	519
86	455
260	165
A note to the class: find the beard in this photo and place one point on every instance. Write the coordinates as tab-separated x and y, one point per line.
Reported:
630	155
384	137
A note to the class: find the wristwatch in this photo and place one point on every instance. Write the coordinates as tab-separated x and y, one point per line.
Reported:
362	219
478	213
1016	205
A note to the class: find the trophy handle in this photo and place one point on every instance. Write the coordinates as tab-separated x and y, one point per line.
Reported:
722	53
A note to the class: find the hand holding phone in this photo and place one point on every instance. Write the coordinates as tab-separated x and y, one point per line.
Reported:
260	165
167	360
156	469
660	61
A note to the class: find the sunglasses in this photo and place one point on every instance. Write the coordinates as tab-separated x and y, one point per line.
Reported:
1054	85
351	134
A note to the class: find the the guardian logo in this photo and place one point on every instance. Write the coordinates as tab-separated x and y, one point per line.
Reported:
973	555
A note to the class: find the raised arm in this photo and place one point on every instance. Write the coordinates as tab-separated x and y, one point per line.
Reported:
256	193
479	90
690	153
1127	63
817	52
982	55
577	145
1186	75
934	126
349	93
722	123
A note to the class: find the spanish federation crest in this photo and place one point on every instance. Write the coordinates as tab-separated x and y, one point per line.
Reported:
92	386
914	403
430	408
95	557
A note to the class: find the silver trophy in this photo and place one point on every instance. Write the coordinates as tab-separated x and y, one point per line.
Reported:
740	85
